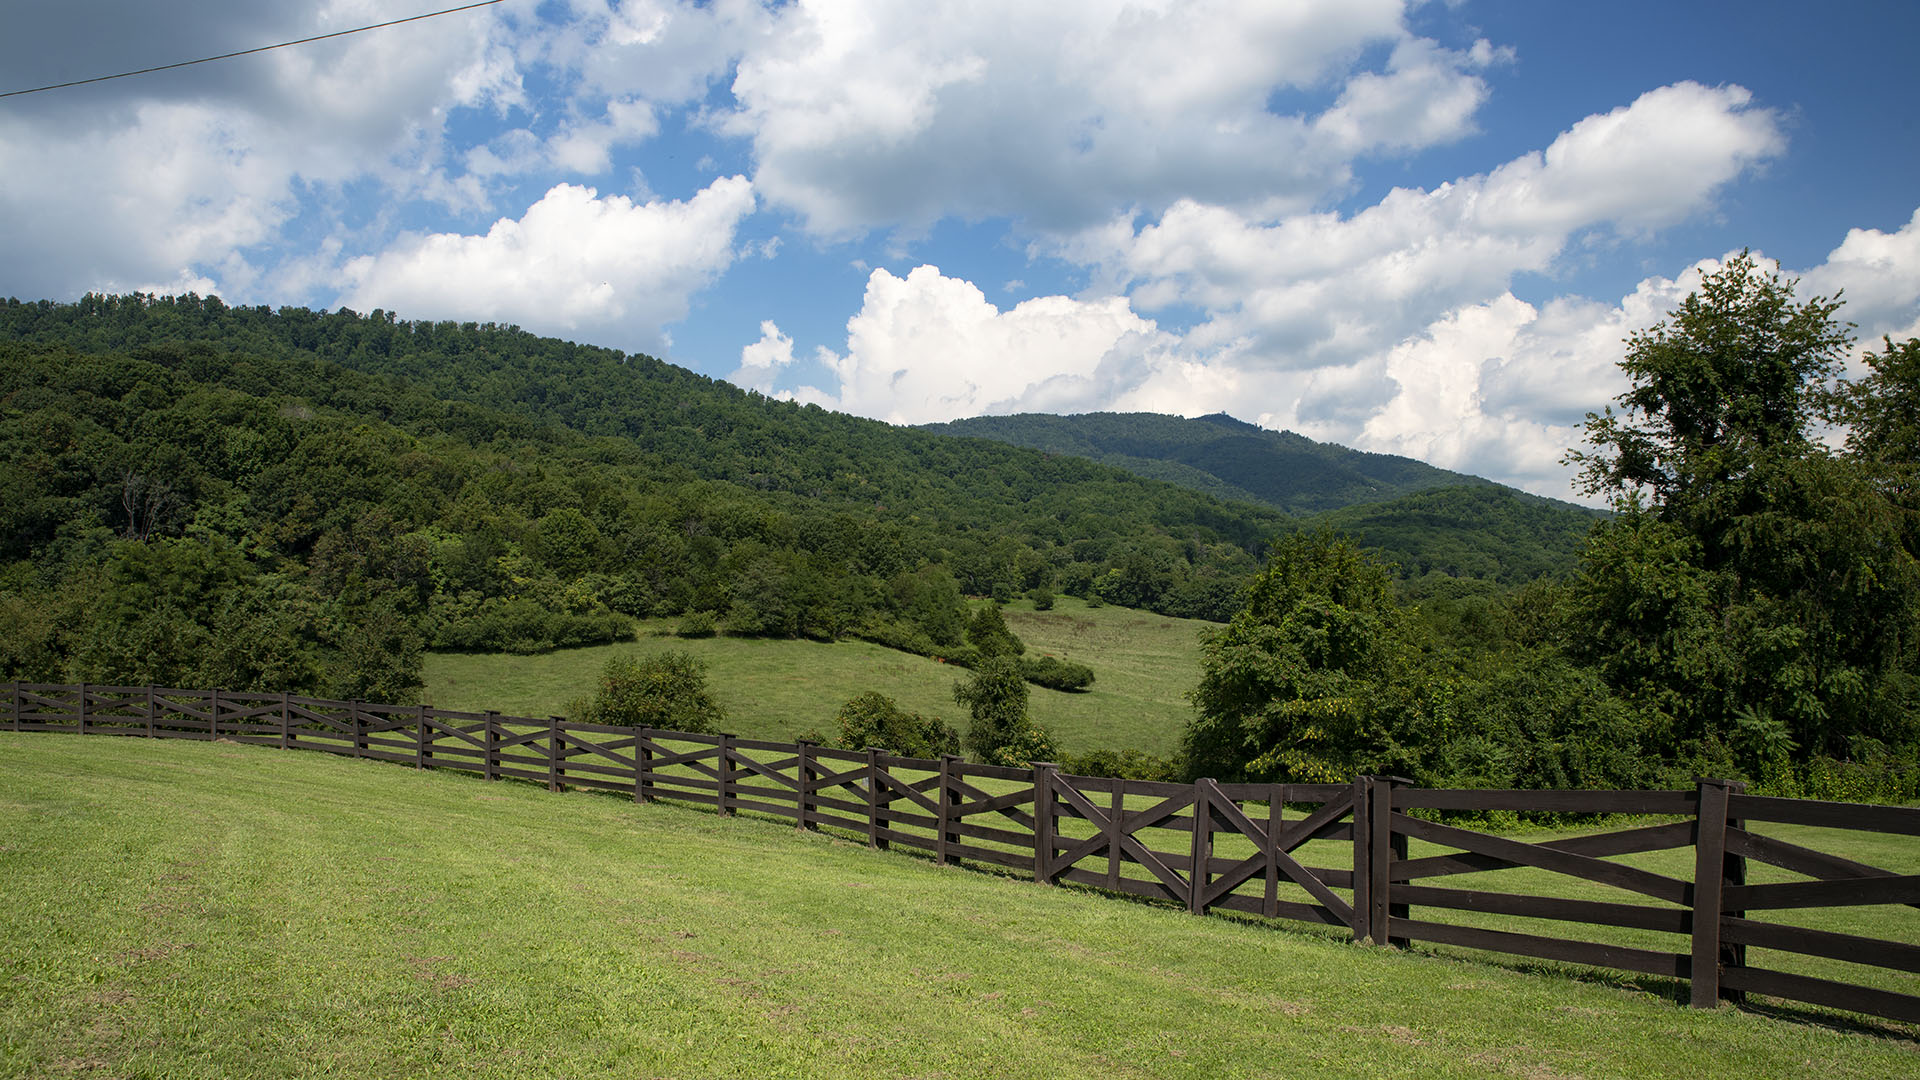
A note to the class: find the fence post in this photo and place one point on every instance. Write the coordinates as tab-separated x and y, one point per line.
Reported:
149	710
1709	858
1043	821
1709	879
83	709
490	765
1200	864
724	804
642	765
1362	858
286	722
944	826
1382	848
874	839
359	728
1116	831
421	754
555	742
1276	817
16	707
803	773
1734	956
1397	911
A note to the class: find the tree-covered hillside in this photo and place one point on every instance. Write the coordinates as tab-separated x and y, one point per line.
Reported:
1423	520
1220	455
192	493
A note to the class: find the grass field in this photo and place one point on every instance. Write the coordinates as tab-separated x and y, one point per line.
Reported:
1143	666
209	910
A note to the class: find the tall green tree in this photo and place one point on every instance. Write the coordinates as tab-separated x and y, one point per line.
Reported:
1753	587
1285	686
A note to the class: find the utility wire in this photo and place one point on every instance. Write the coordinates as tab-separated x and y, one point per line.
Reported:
249	52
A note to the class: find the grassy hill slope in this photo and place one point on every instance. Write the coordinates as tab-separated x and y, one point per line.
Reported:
194	910
777	689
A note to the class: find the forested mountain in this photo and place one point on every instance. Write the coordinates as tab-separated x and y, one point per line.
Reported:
1423	520
195	493
1220	455
1482	531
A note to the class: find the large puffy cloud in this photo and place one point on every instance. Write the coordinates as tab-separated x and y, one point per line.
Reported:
1313	289
866	115
928	347
1392	329
1877	274
576	262
168	177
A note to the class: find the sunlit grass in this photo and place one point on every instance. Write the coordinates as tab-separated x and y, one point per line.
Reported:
778	689
197	910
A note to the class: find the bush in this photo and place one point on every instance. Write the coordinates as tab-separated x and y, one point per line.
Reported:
1002	733
667	691
1122	764
873	719
695	624
1042	598
1056	674
524	626
987	632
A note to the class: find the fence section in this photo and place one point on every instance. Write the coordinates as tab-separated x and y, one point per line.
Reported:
1670	898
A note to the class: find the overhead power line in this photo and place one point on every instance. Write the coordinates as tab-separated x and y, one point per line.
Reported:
250	52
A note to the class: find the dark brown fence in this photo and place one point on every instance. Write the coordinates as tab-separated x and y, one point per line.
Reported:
1240	847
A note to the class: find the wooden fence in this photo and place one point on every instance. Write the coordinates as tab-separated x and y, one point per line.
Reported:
1206	845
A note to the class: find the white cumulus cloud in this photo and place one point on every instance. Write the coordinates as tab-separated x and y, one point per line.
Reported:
928	347
865	115
575	262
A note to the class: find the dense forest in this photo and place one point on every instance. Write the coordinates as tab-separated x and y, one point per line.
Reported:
1220	455
1423	521
197	493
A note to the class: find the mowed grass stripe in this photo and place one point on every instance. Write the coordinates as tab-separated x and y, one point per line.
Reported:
196	910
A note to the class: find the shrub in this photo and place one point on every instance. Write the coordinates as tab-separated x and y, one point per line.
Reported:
873	719
524	626
1122	764
987	632
667	691
1002	733
695	624
1056	674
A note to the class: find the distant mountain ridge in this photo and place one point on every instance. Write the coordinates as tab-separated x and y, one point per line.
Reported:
1427	520
1220	455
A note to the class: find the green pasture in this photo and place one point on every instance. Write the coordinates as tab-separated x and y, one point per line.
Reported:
189	910
1143	666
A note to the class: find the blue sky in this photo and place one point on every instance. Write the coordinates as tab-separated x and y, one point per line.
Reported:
1416	228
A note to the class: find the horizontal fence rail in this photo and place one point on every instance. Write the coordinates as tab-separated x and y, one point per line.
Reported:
1339	855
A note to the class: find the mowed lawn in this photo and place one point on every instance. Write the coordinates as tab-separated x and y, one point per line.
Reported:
177	909
1143	666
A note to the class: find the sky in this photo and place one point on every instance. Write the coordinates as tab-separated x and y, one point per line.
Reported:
1421	228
